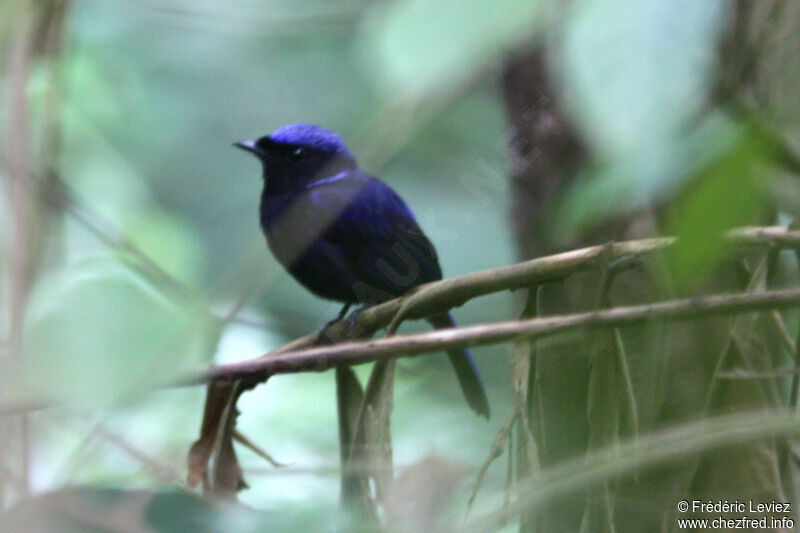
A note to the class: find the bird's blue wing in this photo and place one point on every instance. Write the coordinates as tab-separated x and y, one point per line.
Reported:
383	241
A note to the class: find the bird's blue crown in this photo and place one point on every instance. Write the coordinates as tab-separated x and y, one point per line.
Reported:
309	135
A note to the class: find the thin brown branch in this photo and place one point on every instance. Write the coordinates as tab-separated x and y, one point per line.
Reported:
255	448
326	357
158	469
440	296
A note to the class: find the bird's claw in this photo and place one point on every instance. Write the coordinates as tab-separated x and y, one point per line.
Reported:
350	331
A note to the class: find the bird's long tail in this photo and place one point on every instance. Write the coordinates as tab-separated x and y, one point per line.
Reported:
467	374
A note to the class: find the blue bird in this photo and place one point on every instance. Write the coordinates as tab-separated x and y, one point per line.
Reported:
343	234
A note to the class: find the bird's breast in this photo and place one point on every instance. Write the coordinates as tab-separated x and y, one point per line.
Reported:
294	222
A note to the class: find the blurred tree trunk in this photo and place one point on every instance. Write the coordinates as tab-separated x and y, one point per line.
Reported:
672	366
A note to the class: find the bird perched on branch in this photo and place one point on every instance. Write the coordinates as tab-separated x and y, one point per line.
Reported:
343	234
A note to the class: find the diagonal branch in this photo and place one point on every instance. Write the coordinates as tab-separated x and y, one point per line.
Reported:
326	357
441	296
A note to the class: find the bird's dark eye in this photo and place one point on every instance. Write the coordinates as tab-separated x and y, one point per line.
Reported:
298	154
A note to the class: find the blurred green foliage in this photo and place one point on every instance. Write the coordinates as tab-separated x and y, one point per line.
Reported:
98	334
400	36
636	78
152	94
724	195
85	509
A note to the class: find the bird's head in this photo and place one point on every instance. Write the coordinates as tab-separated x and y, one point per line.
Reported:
297	155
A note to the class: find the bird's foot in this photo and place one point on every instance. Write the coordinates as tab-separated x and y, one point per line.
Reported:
352	327
326	336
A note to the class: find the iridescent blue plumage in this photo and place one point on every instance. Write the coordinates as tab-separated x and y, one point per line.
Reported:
344	234
311	136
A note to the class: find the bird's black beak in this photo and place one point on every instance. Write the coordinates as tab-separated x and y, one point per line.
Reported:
249	146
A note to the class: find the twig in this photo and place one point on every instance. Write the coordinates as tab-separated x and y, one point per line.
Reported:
156	467
255	448
440	296
500	440
326	357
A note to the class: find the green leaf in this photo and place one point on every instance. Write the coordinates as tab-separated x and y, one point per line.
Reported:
636	181
636	72
723	195
419	48
170	243
97	332
635	77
